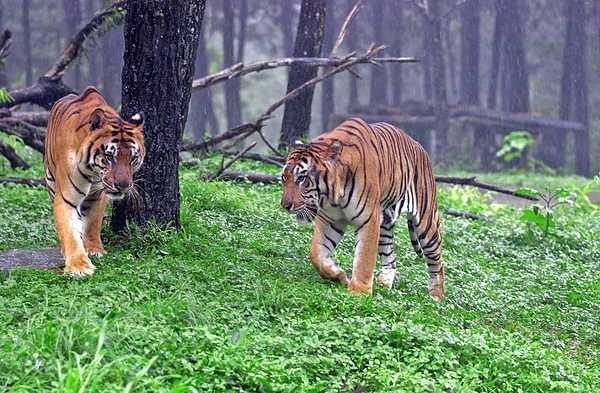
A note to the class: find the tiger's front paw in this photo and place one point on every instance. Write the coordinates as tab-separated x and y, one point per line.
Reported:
358	288
95	249
79	265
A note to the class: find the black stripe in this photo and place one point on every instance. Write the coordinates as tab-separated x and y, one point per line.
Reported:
74	186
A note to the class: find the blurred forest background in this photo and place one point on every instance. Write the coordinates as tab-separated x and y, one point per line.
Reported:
508	56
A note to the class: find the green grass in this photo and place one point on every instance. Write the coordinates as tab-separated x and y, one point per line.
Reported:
232	303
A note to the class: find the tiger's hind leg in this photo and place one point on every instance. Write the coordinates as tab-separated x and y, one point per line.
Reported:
427	234
385	247
92	210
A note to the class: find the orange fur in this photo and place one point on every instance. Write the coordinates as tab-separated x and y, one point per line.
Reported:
91	155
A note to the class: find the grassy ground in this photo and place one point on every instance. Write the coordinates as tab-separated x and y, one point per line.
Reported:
231	303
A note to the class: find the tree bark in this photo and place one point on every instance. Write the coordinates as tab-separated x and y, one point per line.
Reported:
309	41
112	59
327	87
27	44
352	37
517	84
161	41
379	80
580	86
201	105
469	68
232	94
395	36
72	20
286	22
495	61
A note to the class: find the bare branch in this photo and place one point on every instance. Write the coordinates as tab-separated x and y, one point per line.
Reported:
12	156
32	136
240	69
344	28
5	41
458	213
19	180
470	181
230	162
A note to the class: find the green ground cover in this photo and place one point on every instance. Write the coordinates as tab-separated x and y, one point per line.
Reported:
231	303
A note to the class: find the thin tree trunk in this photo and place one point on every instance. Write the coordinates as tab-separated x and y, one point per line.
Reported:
232	98
514	58
72	20
395	36
285	21
495	61
352	37
161	41
580	86
202	112
469	68
90	10
309	41
450	56
327	86
426	63
379	83
27	44
112	50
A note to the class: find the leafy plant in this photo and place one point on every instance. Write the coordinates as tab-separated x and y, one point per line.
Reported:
542	214
581	193
514	145
5	96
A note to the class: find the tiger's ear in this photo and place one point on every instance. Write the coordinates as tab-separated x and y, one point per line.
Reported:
296	143
138	119
97	119
334	150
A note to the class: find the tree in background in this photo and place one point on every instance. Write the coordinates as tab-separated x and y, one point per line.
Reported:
469	67
27	44
515	84
327	86
309	42
232	89
379	77
394	30
72	21
161	41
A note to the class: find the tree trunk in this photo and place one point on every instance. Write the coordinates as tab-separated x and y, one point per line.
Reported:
394	31
517	84
426	63
379	83
92	79
232	96
438	70
469	68
309	41
285	20
450	56
495	61
112	56
202	111
161	41
580	86
352	41
327	86
27	44
72	20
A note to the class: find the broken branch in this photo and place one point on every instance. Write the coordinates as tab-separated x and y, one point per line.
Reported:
230	162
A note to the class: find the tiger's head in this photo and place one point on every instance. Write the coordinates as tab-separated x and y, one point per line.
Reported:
310	178
115	151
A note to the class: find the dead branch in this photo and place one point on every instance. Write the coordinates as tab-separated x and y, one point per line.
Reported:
470	181
12	156
50	87
230	162
25	181
39	119
245	128
31	135
5	41
274	160
458	213
240	69
344	28
250	176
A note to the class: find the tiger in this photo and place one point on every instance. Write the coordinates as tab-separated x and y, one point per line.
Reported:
365	175
90	156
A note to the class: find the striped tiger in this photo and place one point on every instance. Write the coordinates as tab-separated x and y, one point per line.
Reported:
365	175
91	154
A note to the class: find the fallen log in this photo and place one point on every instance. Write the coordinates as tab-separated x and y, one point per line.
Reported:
22	180
458	213
31	135
12	156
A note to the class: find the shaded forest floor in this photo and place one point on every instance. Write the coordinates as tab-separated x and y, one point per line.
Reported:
232	303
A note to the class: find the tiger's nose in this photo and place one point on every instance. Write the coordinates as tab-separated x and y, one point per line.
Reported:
122	185
287	205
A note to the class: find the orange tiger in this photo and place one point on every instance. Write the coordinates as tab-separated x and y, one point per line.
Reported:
365	175
91	154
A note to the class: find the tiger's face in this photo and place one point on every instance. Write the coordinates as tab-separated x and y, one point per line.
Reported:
116	153
308	179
